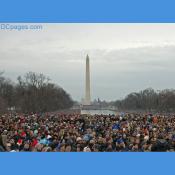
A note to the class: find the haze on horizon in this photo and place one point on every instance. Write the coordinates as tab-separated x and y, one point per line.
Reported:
123	57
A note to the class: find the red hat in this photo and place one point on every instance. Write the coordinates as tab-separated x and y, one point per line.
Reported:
23	134
19	142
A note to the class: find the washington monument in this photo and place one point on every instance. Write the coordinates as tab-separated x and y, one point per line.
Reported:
87	88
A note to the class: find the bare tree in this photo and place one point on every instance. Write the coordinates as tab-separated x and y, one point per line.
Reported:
149	100
32	93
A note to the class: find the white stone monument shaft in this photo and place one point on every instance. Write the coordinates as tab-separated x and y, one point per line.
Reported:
87	90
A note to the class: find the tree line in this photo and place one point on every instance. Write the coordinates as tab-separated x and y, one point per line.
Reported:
148	100
32	93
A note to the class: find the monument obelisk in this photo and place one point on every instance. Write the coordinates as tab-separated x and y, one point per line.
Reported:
87	89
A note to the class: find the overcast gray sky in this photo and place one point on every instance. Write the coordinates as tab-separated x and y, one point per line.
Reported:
123	57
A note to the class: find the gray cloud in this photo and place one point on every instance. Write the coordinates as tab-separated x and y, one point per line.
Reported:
123	57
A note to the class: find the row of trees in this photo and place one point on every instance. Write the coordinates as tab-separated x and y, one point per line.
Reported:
149	100
32	93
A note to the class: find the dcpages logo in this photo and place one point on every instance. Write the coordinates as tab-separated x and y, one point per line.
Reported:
20	27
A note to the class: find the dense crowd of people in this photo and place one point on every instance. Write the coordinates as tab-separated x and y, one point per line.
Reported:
85	133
